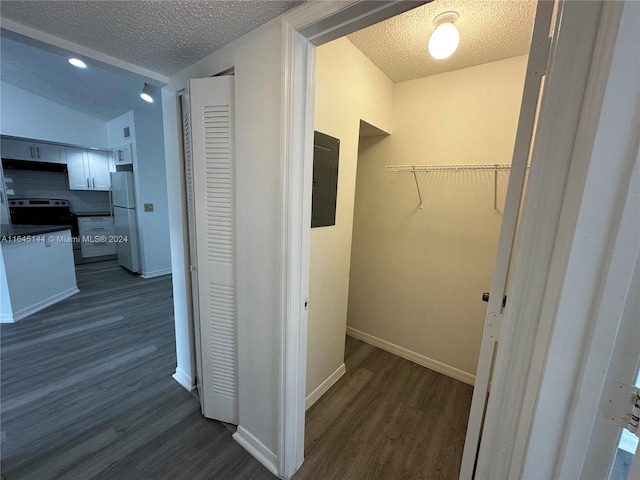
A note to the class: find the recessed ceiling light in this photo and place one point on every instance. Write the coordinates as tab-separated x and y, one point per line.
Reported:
76	62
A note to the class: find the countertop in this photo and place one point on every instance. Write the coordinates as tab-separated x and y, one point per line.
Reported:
95	214
20	232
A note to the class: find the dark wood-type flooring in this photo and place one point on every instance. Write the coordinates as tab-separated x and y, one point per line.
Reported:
86	393
386	419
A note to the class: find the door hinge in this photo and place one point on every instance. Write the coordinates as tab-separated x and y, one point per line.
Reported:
494	323
541	57
623	407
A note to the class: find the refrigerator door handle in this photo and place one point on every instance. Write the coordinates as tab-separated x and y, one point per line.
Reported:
111	201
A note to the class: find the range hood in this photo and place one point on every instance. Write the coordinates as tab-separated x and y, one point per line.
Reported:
10	164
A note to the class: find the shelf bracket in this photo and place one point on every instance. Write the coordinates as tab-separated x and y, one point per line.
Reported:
415	177
495	190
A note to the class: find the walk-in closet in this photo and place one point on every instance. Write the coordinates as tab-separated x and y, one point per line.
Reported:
425	148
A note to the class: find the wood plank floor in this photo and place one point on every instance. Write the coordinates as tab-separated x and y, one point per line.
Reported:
86	391
387	419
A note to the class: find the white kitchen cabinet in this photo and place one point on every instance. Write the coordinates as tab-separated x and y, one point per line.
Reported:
49	152
97	236
122	155
76	162
99	170
88	169
15	149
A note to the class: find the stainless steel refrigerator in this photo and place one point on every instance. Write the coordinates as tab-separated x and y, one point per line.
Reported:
126	224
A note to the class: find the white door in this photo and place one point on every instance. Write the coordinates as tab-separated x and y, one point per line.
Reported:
614	438
209	153
193	258
613	444
536	67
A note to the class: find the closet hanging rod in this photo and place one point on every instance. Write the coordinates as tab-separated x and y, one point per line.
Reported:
441	168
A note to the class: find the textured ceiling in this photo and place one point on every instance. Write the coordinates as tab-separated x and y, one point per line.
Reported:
490	30
162	36
101	93
166	36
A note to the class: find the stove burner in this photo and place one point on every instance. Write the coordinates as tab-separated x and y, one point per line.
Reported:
42	211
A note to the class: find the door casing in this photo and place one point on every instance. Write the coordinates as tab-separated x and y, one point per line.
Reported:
305	28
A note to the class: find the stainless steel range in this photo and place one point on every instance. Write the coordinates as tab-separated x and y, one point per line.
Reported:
44	211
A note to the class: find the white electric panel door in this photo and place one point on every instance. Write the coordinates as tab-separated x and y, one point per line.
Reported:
211	149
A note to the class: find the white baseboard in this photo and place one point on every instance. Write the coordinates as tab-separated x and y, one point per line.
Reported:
184	379
41	305
314	396
412	356
156	273
257	449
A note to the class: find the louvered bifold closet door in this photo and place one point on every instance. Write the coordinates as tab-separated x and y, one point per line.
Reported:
193	259
211	132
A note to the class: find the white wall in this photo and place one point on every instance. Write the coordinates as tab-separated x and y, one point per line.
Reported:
417	275
349	88
115	131
152	188
146	136
257	59
25	114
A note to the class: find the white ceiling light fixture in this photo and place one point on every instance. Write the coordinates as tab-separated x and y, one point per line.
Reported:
76	62
445	38
147	92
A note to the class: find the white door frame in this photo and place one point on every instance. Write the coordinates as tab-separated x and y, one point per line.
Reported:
303	29
567	128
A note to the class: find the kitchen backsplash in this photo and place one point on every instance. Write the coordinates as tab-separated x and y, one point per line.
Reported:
37	184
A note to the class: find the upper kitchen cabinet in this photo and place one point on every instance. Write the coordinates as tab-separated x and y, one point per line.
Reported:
47	152
37	151
88	169
99	169
76	161
122	155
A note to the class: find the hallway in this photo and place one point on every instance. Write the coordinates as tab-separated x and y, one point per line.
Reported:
87	391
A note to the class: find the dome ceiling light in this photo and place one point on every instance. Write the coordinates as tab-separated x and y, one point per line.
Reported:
445	38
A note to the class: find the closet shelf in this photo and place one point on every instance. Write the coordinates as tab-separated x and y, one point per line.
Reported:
452	168
442	168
